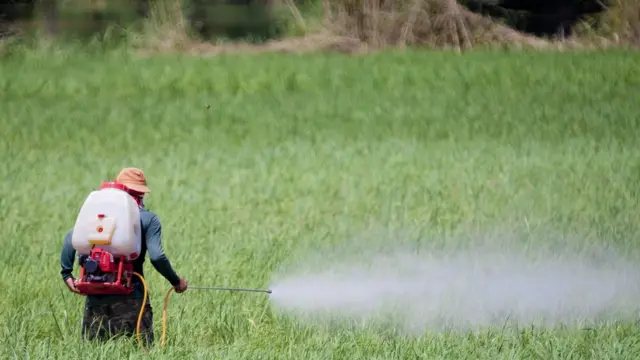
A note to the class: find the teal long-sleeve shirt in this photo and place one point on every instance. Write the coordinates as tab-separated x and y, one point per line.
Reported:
151	243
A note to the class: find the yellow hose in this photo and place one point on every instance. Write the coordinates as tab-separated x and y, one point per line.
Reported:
144	304
164	313
164	317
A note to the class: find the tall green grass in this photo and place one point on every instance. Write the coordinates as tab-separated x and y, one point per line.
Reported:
254	161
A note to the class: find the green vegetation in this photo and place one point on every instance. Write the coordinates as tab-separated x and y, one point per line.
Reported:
255	160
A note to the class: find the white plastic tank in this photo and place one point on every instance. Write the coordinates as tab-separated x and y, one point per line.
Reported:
109	219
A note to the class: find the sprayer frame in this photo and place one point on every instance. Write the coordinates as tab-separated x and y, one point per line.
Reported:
121	286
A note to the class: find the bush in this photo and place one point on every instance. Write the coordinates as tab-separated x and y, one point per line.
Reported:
253	20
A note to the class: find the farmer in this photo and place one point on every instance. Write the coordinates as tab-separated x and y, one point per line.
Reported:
109	315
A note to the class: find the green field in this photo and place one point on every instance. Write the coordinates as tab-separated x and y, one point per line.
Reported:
256	160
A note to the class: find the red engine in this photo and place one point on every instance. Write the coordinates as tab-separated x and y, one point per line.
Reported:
100	273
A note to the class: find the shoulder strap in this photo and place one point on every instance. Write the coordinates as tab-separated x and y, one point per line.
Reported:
143	229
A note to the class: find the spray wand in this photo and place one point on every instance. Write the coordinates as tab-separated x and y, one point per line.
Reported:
216	288
268	291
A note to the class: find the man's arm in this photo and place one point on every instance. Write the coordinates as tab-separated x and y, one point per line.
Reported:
67	257
156	253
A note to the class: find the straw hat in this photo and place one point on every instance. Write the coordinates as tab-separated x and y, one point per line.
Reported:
134	179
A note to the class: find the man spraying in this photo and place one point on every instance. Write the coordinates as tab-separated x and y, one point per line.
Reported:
114	309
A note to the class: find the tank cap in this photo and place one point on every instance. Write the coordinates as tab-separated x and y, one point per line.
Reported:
100	216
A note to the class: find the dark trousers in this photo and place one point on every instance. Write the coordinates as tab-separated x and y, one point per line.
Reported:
117	318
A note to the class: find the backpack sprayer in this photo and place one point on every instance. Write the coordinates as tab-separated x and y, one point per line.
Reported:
107	235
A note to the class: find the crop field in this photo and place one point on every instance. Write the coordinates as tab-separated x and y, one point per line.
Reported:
257	161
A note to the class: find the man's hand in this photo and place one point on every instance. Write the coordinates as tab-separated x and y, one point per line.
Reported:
182	286
71	284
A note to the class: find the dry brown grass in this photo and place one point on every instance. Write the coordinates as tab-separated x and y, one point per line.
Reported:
356	26
168	29
433	23
302	44
445	24
620	24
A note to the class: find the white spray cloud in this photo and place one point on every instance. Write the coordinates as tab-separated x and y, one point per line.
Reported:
460	290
